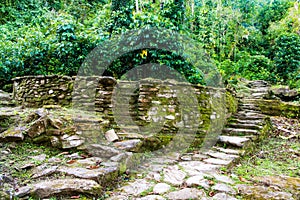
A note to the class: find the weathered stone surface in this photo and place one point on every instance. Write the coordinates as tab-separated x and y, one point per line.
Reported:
84	173
161	188
262	192
45	172
194	168
72	141
151	197
40	158
194	180
12	134
129	145
220	155
103	151
216	161
233	131
111	135
61	186
234	140
137	187
37	128
285	93
222	178
173	175
229	151
186	193
221	187
223	196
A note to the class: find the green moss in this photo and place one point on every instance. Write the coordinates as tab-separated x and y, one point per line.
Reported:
279	108
231	103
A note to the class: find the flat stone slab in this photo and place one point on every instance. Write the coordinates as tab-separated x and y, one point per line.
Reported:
137	187
223	196
194	168
221	155
161	188
221	187
234	140
128	145
151	197
240	131
186	194
222	178
194	180
49	188
103	151
173	175
84	173
216	161
229	151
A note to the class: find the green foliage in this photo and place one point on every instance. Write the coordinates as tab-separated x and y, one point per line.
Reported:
254	39
273	12
287	57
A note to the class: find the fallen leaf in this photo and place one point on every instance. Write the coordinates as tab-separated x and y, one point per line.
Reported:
92	167
71	161
211	193
243	179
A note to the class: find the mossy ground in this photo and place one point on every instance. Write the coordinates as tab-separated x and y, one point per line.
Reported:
277	155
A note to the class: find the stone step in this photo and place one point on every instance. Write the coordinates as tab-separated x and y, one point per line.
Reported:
245	117
229	150
245	126
247	110
254	122
259	95
258	84
240	131
260	90
50	188
236	141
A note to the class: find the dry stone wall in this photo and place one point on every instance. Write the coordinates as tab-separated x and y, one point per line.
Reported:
148	106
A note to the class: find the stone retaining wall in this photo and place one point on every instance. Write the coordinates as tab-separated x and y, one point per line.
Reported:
161	106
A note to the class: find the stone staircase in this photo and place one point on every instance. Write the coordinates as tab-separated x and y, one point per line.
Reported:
188	172
164	176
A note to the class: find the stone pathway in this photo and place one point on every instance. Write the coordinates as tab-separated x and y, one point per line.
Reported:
192	175
198	175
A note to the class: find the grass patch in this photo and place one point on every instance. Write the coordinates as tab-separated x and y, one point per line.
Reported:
275	156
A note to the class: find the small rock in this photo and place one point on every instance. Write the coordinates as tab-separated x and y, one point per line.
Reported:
111	135
151	197
12	134
137	187
170	117
194	180
129	145
221	187
161	188
223	179
74	156
223	196
186	193
45	172
102	151
40	158
234	140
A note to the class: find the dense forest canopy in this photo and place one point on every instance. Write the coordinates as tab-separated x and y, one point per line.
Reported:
254	39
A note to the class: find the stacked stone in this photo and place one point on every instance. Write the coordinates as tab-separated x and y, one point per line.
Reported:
158	106
35	91
125	106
